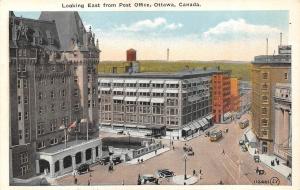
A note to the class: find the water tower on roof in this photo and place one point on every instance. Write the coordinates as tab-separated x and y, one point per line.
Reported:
131	55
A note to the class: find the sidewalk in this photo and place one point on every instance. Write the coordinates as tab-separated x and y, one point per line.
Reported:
148	156
266	159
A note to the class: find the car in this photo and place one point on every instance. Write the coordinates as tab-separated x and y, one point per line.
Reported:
148	178
241	142
104	160
207	133
83	168
164	173
256	158
116	160
120	132
190	153
244	148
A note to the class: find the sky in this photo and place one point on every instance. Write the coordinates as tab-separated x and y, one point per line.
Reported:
190	35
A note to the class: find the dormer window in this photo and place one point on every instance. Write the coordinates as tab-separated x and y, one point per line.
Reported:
49	37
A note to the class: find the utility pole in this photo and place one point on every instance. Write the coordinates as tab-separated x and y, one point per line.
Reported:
185	158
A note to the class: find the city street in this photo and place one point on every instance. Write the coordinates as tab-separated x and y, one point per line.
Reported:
209	157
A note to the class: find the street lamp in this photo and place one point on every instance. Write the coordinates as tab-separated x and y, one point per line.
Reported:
185	158
128	138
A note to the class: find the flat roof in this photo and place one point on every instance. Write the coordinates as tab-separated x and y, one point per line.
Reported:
164	75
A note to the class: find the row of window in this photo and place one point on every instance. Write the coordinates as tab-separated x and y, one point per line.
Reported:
21	134
265	76
142	85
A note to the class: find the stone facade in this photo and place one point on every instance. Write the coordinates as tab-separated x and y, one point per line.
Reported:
266	72
49	87
283	126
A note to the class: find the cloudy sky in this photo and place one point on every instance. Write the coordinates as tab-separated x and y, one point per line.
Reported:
190	35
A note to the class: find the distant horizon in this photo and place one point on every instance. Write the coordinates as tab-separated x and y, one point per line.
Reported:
189	35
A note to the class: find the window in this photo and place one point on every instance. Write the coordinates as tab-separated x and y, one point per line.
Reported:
52	128
41	145
53	141
26	133
75	79
89	103
94	90
264	86
265	98
264	110
26	116
64	80
75	92
63	93
76	106
20	116
24	157
63	106
24	169
52	107
52	94
94	103
20	134
40	95
53	69
285	76
40	110
39	129
265	75
89	91
25	99
264	122
24	68
52	81
19	99
25	83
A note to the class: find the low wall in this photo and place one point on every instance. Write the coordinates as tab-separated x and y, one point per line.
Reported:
142	151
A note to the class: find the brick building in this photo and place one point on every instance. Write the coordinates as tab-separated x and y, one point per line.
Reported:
267	71
235	94
221	99
52	84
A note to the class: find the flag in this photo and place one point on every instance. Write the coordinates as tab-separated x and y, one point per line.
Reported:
83	120
73	125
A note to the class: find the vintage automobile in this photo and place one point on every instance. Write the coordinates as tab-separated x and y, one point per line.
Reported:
104	160
83	168
116	160
244	148
256	158
148	178
241	142
164	173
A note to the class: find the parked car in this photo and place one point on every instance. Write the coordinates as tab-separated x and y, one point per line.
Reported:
83	168
104	160
120	132
148	178
116	160
244	148
164	173
256	158
207	133
241	142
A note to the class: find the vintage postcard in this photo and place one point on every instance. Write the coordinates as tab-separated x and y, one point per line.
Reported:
110	93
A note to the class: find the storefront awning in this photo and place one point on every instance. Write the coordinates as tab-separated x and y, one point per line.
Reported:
158	100
143	99
201	123
118	81
118	124
172	82
141	126
130	98
210	116
144	90
143	81
204	121
130	126
105	81
105	124
118	97
186	128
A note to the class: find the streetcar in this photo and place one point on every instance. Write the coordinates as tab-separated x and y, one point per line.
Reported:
215	135
243	124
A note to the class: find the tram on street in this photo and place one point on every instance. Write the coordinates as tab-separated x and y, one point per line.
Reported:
215	135
243	124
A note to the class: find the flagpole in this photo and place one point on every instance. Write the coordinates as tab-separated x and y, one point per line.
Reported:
65	137
87	131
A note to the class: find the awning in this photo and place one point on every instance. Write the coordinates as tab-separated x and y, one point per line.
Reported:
131	126
130	90
157	81
130	81
144	81
196	125
158	90
172	82
192	127
143	90
201	123
172	91
118	97
118	124
118	90
104	123
118	81
130	98
210	116
105	81
204	121
105	89
186	128
141	127
143	99
158	100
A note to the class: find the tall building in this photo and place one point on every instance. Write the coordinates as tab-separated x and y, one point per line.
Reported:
245	96
221	96
283	125
267	71
51	75
235	94
173	104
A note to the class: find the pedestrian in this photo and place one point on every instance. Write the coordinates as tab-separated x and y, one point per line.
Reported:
90	174
194	172
138	160
123	182
155	152
89	182
200	171
173	148
277	161
172	143
257	170
223	152
142	161
75	181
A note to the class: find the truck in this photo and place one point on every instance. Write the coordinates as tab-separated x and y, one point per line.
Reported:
215	135
243	124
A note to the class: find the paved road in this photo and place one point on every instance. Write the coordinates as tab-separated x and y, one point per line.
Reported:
215	165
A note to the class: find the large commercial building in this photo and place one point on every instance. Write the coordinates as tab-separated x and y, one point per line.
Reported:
53	84
173	104
267	71
221	99
283	125
235	94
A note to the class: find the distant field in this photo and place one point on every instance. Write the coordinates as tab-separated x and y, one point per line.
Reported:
240	70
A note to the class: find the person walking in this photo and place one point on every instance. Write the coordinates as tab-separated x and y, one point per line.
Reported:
194	172
89	182
223	152
200	171
75	181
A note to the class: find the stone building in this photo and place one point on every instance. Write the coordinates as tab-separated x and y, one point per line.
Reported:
267	71
168	104
51	75
283	125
